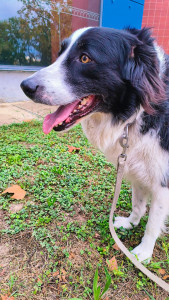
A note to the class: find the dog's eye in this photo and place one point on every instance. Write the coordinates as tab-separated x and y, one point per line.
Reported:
85	59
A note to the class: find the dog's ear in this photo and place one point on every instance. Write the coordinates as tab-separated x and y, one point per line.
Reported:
142	70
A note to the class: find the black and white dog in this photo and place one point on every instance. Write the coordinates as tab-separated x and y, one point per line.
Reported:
104	78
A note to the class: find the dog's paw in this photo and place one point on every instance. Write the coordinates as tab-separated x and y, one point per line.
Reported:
122	222
142	253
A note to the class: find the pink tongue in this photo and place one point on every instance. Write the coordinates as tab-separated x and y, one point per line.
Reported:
58	116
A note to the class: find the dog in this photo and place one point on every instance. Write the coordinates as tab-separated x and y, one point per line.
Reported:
106	78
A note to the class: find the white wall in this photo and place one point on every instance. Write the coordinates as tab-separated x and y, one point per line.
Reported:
10	81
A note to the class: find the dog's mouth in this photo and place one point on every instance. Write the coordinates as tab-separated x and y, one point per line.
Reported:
70	114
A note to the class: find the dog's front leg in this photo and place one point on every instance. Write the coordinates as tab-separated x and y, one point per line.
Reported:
139	200
156	223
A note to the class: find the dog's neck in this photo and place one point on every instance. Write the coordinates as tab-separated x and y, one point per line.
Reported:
103	134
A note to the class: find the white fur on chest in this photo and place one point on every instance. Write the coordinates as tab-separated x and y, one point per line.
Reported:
103	135
147	162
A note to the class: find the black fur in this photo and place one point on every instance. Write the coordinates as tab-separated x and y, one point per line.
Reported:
64	46
124	69
160	120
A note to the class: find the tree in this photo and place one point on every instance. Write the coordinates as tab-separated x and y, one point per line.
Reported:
11	46
36	19
26	40
33	38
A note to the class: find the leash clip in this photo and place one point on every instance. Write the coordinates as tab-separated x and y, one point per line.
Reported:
124	143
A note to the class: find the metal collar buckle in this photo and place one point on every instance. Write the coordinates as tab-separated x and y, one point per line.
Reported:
124	144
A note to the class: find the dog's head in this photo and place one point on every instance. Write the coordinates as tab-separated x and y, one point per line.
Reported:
98	69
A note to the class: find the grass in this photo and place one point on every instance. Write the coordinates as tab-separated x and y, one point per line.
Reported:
52	247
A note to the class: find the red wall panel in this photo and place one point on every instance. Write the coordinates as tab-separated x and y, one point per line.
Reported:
88	5
156	15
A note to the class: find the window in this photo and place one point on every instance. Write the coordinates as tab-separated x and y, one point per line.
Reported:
31	30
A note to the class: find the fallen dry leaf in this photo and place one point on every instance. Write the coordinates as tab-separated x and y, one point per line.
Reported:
71	149
18	192
166	277
39	280
162	271
116	247
146	299
63	277
71	255
97	235
63	271
112	264
55	274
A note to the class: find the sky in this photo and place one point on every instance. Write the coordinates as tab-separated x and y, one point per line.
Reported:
8	8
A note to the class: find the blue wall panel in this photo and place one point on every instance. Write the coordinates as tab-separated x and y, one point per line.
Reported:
122	13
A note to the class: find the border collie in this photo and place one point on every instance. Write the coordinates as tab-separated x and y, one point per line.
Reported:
104	78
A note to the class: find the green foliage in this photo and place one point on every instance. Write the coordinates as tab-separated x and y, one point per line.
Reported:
97	294
11	282
76	299
67	206
97	289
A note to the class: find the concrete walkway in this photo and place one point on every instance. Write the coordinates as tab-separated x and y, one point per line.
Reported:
18	112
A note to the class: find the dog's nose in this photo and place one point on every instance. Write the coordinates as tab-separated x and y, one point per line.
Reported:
29	87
